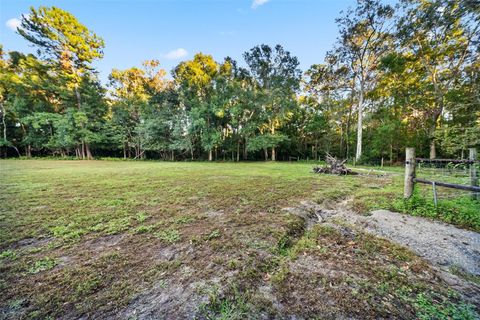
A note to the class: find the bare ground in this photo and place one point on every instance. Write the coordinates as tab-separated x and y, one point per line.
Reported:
453	252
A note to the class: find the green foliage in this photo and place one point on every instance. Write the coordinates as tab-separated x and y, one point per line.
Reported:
142	216
462	211
428	308
8	254
233	307
44	264
70	231
213	235
170	235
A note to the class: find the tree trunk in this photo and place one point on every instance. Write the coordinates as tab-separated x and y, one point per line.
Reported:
238	150
391	153
245	151
341	140
265	151
124	151
436	116
348	124
210	155
273	148
358	153
3	122
88	152
433	151
4	126
80	153
28	151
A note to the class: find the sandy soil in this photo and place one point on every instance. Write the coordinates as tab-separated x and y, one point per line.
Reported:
446	247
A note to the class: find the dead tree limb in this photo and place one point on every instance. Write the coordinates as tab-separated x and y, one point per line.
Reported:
334	166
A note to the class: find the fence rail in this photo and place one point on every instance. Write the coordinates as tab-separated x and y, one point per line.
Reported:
466	161
411	179
448	185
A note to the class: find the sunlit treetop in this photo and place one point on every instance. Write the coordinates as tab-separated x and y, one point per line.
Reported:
59	35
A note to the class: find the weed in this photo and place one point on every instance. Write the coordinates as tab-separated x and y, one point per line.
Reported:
67	232
169	235
428	308
142	216
280	275
213	235
144	229
44	264
465	275
183	220
233	264
8	254
88	286
229	307
461	211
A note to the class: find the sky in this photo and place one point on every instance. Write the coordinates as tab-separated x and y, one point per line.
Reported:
174	30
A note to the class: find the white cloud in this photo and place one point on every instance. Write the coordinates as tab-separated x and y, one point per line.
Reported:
176	54
13	24
258	3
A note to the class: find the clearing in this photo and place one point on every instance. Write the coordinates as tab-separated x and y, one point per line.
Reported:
149	240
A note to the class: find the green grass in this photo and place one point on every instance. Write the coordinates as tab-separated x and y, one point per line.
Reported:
459	210
84	238
44	264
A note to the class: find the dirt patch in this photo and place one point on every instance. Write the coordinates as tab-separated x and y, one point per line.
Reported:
444	246
214	213
31	243
181	297
104	243
441	244
313	213
166	301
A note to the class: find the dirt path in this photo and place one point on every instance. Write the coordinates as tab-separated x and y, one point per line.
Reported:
453	252
441	244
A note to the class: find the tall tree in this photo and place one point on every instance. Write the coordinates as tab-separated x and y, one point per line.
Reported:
5	78
277	77
132	91
196	80
440	40
68	45
364	39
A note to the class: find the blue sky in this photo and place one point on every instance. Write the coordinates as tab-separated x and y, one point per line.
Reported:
174	30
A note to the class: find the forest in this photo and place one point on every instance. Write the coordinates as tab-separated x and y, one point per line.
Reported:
397	76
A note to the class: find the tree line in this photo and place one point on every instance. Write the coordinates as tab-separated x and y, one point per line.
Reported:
397	76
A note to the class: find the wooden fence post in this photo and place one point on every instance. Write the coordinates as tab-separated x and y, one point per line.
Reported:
409	172
473	172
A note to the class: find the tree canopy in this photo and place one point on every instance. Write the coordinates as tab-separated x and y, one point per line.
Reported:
397	76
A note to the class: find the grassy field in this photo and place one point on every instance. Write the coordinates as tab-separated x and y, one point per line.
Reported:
124	239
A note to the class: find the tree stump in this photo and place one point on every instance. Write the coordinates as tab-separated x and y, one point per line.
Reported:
334	166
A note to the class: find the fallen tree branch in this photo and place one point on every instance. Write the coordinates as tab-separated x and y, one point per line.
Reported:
334	166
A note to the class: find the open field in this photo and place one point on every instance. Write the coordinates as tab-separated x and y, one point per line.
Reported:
124	239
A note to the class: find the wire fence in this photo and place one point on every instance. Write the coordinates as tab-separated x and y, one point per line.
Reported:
457	173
